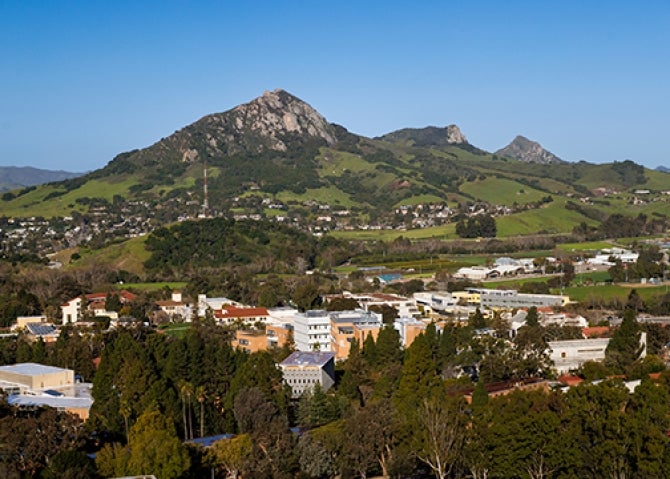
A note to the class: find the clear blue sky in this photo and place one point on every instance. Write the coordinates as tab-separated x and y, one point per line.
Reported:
81	81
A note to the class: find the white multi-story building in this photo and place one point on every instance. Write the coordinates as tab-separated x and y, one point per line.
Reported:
312	331
511	299
435	301
570	355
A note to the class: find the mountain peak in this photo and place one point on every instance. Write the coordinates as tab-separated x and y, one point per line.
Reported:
276	114
528	151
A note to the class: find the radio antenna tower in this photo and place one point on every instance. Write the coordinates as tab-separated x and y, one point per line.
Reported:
205	201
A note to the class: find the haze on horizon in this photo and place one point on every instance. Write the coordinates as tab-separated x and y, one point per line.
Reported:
84	81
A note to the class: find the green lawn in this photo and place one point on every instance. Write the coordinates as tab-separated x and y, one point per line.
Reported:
609	292
177	330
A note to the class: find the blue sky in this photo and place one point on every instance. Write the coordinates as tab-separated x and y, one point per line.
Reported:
83	81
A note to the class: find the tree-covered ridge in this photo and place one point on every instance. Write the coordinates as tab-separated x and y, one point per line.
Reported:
220	242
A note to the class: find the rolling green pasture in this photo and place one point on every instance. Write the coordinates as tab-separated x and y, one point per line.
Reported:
129	255
613	291
330	195
587	246
33	204
502	191
551	218
442	232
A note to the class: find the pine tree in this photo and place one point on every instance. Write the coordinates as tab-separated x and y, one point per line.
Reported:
480	396
418	379
477	321
532	318
624	348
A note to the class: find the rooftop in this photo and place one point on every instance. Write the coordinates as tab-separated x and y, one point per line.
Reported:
308	358
31	369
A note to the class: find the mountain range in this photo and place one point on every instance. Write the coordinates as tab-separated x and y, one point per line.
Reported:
278	149
14	177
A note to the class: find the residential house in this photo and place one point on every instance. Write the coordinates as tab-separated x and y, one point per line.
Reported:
93	305
236	315
176	308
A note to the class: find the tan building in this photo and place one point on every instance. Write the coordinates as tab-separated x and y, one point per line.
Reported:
345	326
31	385
22	321
250	341
36	376
254	340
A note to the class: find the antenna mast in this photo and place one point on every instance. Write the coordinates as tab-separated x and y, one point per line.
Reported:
205	201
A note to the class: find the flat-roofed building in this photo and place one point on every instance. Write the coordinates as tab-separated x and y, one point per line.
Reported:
408	329
569	355
345	326
312	330
36	376
22	321
512	299
438	302
31	385
303	370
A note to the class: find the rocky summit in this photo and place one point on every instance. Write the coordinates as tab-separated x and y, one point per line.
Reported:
528	151
272	122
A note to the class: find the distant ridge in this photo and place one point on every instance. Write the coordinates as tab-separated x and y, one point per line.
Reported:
663	169
428	136
523	149
13	177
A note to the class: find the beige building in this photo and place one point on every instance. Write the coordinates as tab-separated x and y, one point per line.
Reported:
31	385
36	376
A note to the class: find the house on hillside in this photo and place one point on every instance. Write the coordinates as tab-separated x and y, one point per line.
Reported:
175	308
93	305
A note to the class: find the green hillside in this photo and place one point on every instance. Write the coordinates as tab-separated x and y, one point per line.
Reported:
253	159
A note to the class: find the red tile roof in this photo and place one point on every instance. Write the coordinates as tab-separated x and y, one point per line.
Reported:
233	312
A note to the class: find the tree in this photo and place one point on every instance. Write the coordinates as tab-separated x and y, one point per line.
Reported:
306	295
442	434
532	318
480	396
624	347
231	455
155	448
113	302
478	321
201	395
418	379
69	464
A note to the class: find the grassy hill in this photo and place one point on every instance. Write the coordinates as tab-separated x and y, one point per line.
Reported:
253	155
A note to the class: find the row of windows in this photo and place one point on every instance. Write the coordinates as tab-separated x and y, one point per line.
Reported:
302	381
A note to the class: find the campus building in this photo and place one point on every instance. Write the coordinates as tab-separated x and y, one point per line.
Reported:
303	370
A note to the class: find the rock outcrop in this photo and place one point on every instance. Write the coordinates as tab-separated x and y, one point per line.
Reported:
528	151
